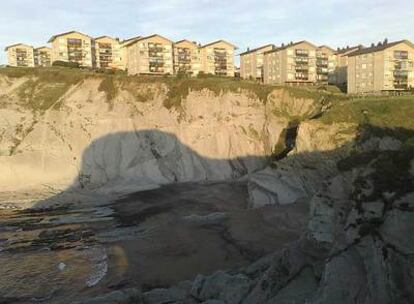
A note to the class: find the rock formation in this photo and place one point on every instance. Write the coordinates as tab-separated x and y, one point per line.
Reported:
358	180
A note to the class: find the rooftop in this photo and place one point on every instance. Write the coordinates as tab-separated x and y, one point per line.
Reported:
218	41
289	45
67	33
379	47
258	49
17	44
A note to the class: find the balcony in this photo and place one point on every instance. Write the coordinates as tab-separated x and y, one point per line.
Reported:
322	70
302	53
301	68
322	63
400	74
302	76
301	60
401	55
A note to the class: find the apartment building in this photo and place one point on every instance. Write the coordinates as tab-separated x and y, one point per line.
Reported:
108	53
325	64
217	58
20	55
150	55
382	67
42	56
187	58
124	50
251	62
294	63
340	75
73	46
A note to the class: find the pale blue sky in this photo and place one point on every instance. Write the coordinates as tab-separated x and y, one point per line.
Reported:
245	23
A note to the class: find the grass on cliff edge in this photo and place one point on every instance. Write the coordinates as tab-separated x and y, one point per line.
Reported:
49	84
386	112
45	86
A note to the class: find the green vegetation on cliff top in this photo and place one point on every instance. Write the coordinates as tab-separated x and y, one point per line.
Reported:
391	111
47	85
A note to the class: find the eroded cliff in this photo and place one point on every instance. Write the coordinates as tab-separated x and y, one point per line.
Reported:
350	161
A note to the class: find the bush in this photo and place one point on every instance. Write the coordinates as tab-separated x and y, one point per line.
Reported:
66	64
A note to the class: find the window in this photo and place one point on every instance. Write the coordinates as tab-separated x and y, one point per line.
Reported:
401	55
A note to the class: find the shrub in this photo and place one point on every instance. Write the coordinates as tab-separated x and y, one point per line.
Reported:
66	64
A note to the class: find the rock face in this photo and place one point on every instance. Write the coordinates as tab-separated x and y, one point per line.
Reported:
358	182
357	248
89	141
300	175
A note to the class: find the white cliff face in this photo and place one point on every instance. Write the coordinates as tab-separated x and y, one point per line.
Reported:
133	144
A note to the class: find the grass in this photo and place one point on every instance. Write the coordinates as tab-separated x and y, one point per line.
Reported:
390	112
45	86
178	89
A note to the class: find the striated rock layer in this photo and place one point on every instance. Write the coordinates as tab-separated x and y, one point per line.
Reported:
86	140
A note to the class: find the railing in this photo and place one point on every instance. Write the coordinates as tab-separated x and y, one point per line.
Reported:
400	74
302	59
301	68
301	52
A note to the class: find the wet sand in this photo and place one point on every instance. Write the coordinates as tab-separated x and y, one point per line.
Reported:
146	239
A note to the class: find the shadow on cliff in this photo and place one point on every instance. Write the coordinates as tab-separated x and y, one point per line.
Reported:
133	161
127	162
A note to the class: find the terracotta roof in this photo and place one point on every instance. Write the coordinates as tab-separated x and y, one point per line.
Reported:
379	47
66	33
257	49
17	44
146	37
289	46
217	41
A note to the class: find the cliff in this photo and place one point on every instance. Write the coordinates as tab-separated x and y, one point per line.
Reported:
351	161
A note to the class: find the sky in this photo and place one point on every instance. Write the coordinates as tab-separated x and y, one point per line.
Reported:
245	23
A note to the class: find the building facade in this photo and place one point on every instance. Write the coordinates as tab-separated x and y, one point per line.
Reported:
251	62
108	53
325	65
73	47
217	58
150	55
20	55
42	56
124	50
187	58
340	74
294	63
384	67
